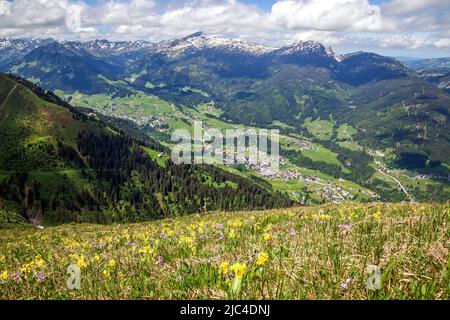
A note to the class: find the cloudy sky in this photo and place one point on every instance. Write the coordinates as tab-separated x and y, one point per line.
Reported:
416	28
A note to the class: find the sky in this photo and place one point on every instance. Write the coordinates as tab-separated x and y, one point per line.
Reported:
407	28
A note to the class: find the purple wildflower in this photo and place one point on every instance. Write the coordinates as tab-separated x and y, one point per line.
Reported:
160	260
40	276
346	283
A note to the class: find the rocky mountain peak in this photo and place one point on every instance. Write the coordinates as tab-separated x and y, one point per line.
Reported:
200	41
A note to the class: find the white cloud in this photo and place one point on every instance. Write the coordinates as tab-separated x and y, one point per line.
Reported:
332	15
113	12
42	18
442	43
404	7
417	15
402	41
32	13
5	8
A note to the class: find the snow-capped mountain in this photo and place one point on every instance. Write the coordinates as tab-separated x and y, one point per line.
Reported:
13	49
105	47
228	57
194	43
199	41
303	47
19	45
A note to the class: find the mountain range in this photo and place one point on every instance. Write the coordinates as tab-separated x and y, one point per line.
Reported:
398	109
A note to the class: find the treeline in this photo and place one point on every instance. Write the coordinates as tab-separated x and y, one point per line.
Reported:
145	190
358	162
125	184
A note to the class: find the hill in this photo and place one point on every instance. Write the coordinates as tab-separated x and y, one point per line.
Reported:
440	78
58	165
66	67
374	251
435	71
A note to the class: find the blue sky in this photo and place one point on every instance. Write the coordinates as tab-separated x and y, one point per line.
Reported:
415	28
265	4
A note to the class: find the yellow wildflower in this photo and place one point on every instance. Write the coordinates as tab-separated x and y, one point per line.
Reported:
231	234
262	259
40	262
97	258
223	268
147	250
81	262
4	275
236	223
377	215
112	263
106	273
186	240
238	269
267	237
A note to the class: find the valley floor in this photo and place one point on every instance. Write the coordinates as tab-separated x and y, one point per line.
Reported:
352	251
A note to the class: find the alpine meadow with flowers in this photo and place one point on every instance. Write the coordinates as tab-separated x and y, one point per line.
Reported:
373	251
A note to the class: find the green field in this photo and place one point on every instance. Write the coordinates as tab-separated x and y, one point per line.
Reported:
157	156
349	145
321	129
135	106
319	153
345	132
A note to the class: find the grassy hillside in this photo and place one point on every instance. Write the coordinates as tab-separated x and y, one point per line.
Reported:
59	165
32	130
302	253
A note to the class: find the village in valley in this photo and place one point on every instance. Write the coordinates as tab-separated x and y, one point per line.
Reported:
328	190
